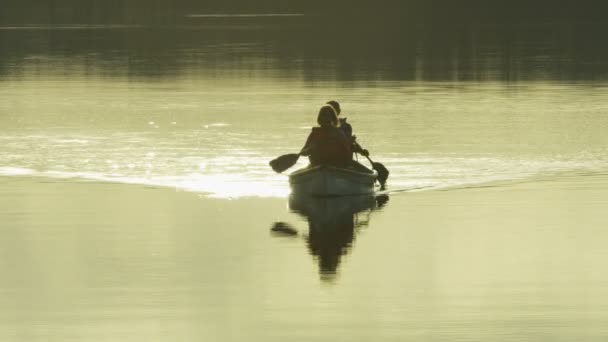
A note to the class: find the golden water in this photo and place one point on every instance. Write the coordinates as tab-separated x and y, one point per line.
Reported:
136	203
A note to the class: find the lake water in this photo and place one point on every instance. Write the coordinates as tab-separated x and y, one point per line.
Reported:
137	202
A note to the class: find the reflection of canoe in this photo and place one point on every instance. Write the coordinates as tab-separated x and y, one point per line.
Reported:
327	209
332	181
332	224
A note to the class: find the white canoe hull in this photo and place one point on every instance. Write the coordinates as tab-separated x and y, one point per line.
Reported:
332	181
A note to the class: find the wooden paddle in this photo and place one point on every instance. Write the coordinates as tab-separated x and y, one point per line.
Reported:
284	162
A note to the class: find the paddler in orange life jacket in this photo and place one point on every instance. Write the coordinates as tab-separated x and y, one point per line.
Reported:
326	144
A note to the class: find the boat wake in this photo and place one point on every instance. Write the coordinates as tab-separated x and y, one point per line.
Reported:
210	185
252	179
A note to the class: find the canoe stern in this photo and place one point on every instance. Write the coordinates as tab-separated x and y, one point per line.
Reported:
332	181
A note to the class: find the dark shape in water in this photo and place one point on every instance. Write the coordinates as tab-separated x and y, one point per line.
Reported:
379	167
283	229
332	225
382	173
381	201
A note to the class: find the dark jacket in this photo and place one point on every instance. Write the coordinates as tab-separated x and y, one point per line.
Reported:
328	146
346	128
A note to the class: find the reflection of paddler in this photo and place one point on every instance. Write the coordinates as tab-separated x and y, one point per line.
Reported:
331	224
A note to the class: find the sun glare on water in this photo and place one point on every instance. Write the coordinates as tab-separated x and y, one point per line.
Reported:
234	186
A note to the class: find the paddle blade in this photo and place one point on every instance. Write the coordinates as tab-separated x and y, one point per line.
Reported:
284	162
382	173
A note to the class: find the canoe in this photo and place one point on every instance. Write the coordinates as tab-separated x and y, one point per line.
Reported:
326	180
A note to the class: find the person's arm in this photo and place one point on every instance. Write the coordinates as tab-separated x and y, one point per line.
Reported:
305	151
308	146
348	131
357	148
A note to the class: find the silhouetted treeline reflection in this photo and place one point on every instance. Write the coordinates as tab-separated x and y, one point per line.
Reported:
387	39
403	51
332	226
377	12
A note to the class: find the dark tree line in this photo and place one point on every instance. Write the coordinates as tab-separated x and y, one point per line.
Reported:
325	12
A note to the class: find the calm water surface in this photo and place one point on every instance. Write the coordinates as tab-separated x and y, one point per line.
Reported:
137	204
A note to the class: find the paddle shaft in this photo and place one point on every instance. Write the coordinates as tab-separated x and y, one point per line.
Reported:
361	148
370	159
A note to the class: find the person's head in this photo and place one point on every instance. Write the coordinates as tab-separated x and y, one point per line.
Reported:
335	105
327	117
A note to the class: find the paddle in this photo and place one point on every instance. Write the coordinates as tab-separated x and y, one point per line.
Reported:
284	162
382	171
379	167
